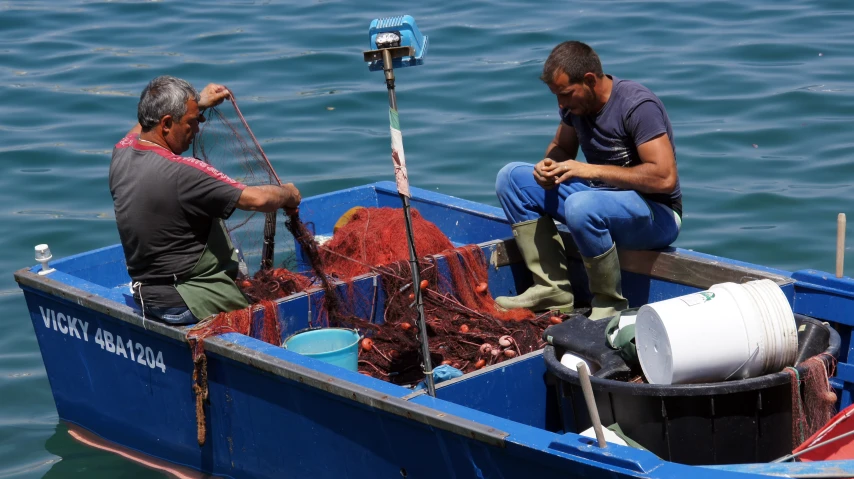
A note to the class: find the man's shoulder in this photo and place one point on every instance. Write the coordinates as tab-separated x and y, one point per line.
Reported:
165	162
633	93
129	140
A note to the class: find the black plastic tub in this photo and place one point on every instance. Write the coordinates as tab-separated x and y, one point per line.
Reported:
730	422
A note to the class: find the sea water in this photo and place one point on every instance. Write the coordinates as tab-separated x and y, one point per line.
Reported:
760	94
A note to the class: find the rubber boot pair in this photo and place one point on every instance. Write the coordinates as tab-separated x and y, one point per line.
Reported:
543	253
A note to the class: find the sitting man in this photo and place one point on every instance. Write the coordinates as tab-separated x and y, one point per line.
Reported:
626	194
170	209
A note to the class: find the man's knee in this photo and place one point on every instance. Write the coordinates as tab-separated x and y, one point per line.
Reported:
510	175
583	212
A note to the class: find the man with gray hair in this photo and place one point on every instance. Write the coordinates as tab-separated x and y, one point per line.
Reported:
170	208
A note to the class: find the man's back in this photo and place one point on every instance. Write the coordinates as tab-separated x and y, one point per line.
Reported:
164	206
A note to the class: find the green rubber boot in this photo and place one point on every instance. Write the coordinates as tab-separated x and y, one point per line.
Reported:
543	252
603	275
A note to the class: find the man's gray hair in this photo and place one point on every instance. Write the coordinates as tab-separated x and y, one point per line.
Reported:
165	95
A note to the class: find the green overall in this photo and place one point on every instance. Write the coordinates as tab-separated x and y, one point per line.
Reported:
209	288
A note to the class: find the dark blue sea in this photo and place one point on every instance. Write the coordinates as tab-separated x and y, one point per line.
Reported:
760	94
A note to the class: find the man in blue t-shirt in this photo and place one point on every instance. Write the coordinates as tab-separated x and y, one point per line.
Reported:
626	194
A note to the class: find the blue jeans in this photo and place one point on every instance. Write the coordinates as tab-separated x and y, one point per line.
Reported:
597	218
174	315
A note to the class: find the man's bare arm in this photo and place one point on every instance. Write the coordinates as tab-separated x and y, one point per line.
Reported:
269	198
655	174
563	147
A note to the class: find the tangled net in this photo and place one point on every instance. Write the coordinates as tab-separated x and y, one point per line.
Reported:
813	398
464	328
259	321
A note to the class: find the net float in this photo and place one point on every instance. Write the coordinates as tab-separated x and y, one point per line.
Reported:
480	363
485	348
424	284
505	341
509	353
464	328
481	288
367	344
405	326
555	320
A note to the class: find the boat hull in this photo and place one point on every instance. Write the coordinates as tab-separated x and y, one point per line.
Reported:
274	413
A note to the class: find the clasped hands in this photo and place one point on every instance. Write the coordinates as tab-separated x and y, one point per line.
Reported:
549	173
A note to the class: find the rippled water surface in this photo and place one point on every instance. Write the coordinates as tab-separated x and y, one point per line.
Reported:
760	95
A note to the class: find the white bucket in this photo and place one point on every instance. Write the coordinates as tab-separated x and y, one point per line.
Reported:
731	331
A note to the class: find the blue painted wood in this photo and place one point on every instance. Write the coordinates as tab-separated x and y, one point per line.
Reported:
795	469
517	392
104	267
261	425
264	424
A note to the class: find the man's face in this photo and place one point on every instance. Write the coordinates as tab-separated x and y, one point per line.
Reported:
578	98
180	135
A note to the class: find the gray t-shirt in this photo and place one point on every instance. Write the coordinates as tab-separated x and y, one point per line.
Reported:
165	204
632	116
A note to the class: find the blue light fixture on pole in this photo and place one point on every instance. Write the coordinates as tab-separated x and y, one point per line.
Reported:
395	42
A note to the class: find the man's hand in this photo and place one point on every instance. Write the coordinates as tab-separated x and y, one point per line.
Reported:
213	95
292	198
543	173
549	173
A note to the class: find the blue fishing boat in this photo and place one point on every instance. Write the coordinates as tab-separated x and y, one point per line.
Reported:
275	413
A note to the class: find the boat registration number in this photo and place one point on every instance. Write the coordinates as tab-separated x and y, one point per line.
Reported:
130	349
112	343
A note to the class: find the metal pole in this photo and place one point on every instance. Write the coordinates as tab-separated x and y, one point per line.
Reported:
840	245
388	70
587	388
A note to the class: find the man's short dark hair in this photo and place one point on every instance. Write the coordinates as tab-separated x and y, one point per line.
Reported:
573	58
165	95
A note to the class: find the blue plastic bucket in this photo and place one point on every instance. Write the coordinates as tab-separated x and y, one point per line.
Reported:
336	346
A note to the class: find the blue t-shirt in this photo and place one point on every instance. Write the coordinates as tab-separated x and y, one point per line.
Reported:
632	116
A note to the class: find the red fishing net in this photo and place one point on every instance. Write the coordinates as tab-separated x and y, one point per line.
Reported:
259	321
375	237
813	399
464	328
